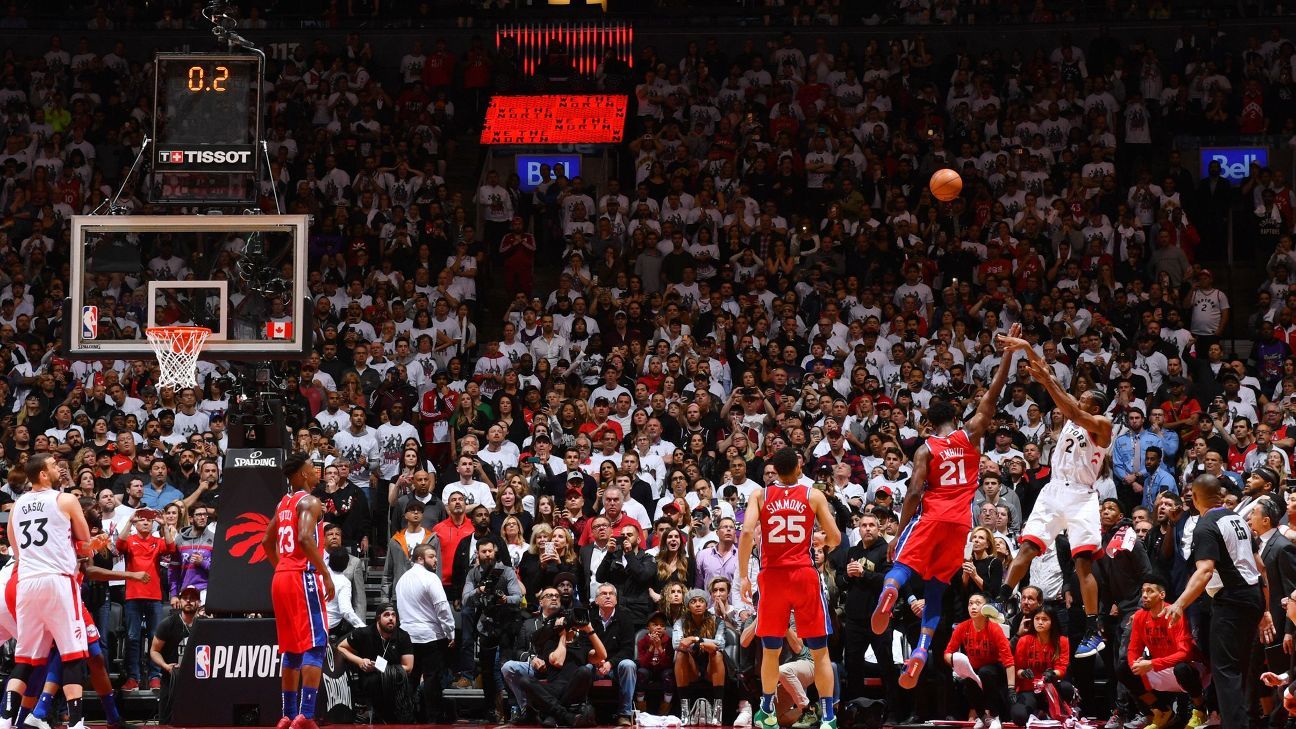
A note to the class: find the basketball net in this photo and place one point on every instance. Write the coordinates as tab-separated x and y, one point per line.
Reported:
177	350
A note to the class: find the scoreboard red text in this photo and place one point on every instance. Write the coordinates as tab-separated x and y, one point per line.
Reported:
555	119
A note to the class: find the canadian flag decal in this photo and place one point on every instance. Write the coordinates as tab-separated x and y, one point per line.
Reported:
279	330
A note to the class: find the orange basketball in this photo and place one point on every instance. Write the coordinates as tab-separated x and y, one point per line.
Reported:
945	184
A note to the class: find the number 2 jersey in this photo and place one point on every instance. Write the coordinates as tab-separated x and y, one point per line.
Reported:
43	534
1076	458
952	478
292	558
787	523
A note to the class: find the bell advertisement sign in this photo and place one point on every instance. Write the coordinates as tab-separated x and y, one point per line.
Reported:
530	166
1235	162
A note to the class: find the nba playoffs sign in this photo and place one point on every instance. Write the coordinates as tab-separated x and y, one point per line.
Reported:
232	665
528	167
251	486
1235	162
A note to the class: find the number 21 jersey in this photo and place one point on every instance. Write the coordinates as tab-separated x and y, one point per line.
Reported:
787	523
952	473
292	558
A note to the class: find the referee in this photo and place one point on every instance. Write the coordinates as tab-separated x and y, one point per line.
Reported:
1229	569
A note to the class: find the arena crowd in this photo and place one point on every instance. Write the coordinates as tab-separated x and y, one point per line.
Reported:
771	272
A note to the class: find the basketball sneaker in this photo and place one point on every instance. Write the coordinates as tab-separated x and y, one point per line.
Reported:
284	723
830	724
913	668
744	718
882	613
35	722
1090	645
765	721
1197	719
301	722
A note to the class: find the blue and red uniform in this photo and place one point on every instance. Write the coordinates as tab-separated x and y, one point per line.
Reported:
932	543
788	582
297	590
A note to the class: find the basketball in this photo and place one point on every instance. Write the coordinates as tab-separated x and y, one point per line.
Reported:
945	184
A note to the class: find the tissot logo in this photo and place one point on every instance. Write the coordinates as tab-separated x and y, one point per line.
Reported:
205	156
254	459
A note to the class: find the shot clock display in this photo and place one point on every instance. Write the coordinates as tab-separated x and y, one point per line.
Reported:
206	112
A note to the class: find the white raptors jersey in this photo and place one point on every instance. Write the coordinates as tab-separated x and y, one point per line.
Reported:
1076	458
43	535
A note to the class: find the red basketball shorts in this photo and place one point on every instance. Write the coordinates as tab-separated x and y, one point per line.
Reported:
787	593
932	549
300	618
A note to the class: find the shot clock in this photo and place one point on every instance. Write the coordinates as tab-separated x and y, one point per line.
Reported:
206	127
206	112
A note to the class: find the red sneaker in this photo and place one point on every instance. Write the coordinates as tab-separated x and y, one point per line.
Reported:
913	668
155	684
284	723
130	685
881	619
302	722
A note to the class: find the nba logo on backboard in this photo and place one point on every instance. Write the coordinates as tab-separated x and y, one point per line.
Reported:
202	661
89	322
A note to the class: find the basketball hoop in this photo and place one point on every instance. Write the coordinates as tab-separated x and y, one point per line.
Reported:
177	350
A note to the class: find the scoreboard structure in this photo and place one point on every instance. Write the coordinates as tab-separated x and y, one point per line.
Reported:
206	127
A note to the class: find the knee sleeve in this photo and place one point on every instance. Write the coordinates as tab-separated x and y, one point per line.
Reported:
772	644
313	657
74	672
292	661
817	643
1188	677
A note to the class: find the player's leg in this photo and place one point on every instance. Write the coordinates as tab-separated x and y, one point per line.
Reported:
931	616
910	547
312	667
36	685
686	672
289	681
1031	547
49	688
1092	641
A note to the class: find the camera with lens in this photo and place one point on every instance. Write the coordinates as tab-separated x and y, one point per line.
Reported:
497	616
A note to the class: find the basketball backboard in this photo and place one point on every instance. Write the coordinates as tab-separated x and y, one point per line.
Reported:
242	276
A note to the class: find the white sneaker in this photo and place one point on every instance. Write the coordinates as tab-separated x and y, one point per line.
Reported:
1212	720
980	723
994	723
744	718
79	725
35	722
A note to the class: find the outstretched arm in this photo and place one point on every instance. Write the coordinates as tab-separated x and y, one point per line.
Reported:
1099	425
913	494
979	422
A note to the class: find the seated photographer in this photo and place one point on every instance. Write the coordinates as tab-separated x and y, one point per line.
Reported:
568	648
384	655
617	631
699	640
525	662
1173	666
493	594
1042	657
632	572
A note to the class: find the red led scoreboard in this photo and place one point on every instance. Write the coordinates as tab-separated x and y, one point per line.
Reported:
555	119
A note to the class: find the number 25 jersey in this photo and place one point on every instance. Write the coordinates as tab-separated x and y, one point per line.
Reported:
952	475
787	523
292	558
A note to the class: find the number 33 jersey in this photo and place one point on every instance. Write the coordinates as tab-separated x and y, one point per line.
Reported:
787	523
43	535
952	478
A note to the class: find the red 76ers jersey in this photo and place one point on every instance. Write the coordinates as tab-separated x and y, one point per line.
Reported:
787	525
952	474
292	558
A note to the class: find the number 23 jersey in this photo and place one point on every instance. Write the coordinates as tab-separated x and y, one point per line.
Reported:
787	523
292	558
952	478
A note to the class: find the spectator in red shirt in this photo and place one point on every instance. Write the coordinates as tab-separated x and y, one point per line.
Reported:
1173	665
986	646
1041	657
142	548
451	530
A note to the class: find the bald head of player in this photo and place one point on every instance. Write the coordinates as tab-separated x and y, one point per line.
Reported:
301	473
787	464
1208	492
